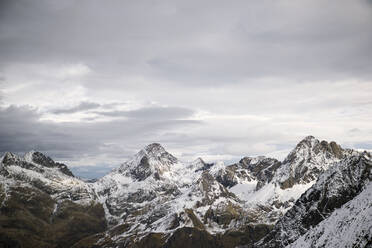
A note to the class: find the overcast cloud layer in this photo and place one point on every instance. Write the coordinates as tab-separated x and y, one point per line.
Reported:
92	82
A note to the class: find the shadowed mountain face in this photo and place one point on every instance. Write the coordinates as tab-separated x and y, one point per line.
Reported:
336	187
155	200
43	205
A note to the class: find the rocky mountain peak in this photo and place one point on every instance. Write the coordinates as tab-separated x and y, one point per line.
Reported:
304	146
332	148
335	187
154	148
40	158
10	158
157	152
307	160
31	158
311	144
151	160
308	139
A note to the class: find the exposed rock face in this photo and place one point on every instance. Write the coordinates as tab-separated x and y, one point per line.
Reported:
262	168
152	160
308	160
250	169
43	205
31	161
41	159
348	226
41	172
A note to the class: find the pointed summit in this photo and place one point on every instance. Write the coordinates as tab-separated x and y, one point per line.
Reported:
10	159
307	160
154	147
308	140
157	152
40	158
151	160
34	160
311	144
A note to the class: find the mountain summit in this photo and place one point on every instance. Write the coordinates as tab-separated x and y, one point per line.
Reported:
308	160
151	160
34	160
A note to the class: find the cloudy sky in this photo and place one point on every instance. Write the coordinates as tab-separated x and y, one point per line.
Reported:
92	82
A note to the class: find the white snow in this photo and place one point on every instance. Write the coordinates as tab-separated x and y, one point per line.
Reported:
348	226
244	190
268	193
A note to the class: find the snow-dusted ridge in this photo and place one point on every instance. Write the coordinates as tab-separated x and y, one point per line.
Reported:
342	183
348	226
36	170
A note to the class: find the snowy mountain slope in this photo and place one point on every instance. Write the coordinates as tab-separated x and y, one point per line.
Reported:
349	226
251	180
338	185
40	171
269	188
43	205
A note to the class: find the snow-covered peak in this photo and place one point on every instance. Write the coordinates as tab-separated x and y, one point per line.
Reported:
310	146
10	158
153	159
309	138
155	149
35	169
303	147
335	187
307	160
34	160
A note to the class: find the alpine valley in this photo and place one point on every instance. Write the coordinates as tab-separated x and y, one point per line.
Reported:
320	195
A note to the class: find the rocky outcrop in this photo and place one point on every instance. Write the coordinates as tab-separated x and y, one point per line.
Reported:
260	169
308	160
41	159
153	160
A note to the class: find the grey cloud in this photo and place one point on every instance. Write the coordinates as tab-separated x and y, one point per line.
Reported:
198	43
152	113
354	130
21	131
80	107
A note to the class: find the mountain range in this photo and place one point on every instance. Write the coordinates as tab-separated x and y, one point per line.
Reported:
320	195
